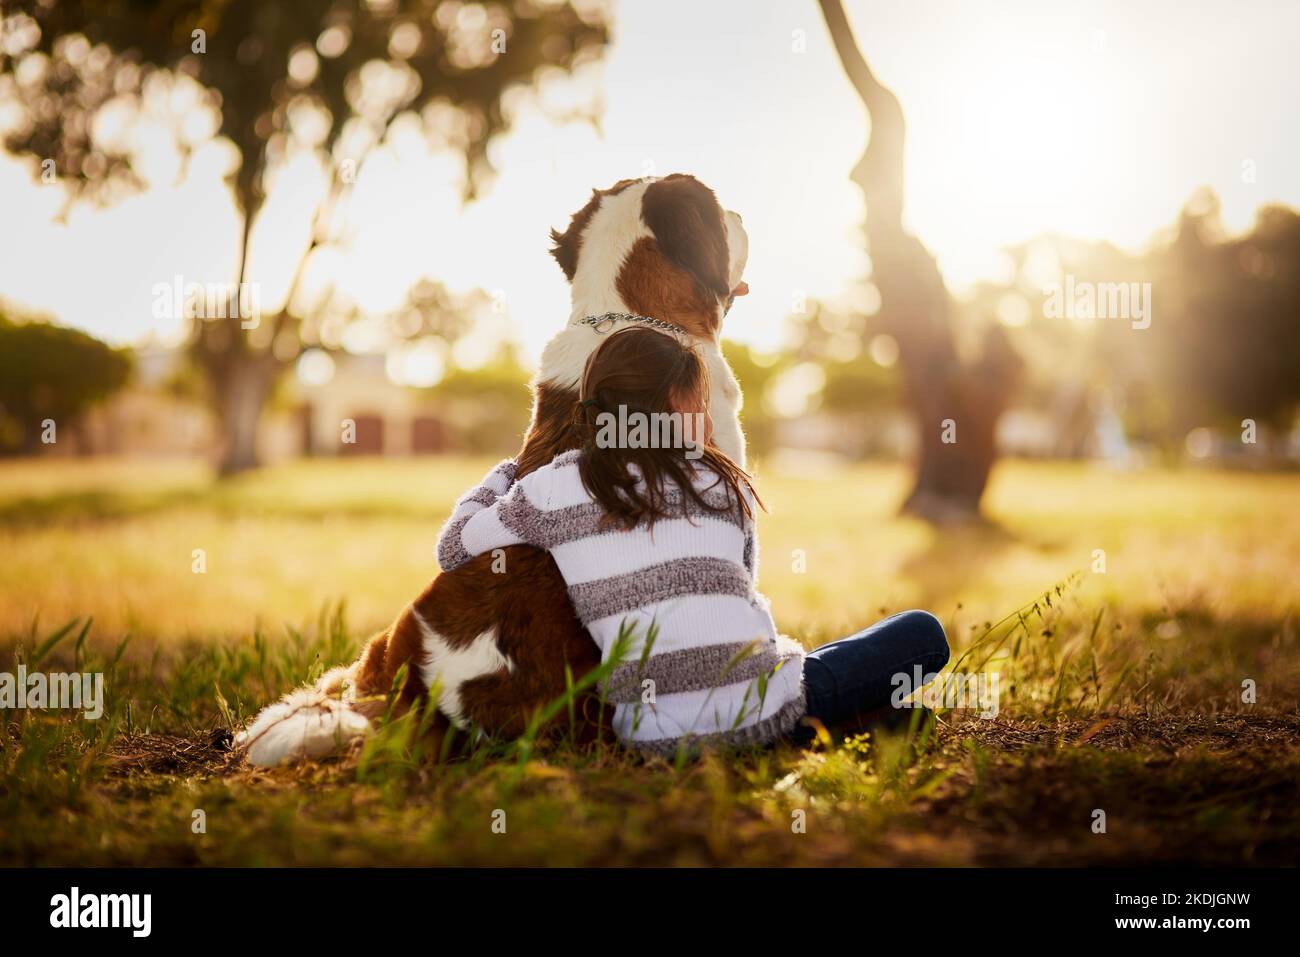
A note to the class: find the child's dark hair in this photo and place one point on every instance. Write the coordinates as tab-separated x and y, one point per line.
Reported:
649	372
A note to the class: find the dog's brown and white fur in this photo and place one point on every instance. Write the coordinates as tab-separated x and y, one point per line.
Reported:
499	647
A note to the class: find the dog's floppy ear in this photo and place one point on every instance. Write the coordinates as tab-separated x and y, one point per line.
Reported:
687	222
565	245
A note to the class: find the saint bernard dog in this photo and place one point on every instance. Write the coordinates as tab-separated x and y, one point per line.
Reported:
498	647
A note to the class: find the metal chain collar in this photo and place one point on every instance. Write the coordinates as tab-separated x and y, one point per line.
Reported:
603	323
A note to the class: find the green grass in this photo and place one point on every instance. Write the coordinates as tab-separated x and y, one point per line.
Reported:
1121	690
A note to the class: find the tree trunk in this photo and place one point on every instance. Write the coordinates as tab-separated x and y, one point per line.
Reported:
240	381
955	405
240	377
241	396
956	419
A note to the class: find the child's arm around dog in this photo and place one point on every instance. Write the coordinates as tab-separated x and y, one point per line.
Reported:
476	524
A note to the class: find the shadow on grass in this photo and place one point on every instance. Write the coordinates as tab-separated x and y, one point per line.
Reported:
955	555
224	500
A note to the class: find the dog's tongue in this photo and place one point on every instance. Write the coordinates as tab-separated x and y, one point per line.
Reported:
741	290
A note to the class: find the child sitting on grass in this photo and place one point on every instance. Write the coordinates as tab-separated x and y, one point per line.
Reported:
656	540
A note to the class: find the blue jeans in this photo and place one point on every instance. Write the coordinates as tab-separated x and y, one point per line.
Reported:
846	680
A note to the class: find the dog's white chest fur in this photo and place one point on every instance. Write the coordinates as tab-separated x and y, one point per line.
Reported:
725	400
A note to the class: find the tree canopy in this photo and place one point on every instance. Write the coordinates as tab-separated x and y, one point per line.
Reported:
331	77
50	372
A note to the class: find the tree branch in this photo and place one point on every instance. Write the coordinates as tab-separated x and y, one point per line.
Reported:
880	172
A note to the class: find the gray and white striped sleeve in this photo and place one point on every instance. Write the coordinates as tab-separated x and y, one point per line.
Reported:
498	482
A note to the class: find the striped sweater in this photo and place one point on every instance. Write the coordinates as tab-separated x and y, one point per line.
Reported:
716	671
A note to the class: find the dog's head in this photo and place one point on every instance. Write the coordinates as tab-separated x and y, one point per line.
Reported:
660	247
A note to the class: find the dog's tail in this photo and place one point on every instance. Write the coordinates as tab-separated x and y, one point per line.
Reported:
307	723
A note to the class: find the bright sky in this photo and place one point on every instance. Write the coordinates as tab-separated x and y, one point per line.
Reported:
1094	118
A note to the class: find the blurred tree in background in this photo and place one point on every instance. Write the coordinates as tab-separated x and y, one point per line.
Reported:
956	401
755	375
1231	348
1223	344
328	76
50	372
488	408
